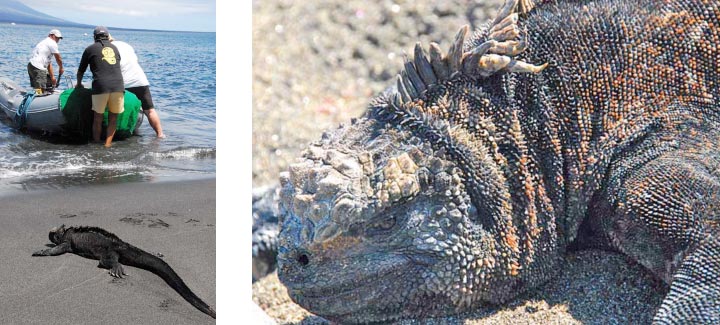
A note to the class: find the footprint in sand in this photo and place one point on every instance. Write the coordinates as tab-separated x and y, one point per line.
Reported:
166	304
131	220
151	220
120	282
139	219
157	223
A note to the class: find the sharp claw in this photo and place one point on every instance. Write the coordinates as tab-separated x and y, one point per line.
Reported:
525	6
491	63
508	33
514	6
507	21
484	47
511	48
523	67
507	9
472	58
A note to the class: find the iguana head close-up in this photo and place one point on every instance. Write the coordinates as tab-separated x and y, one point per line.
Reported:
374	225
56	234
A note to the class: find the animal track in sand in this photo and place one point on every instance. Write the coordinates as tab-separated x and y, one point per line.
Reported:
120	282
138	219
166	303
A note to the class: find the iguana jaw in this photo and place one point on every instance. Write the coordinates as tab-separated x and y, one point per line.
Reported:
355	289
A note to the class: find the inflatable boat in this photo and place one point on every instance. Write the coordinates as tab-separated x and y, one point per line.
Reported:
65	113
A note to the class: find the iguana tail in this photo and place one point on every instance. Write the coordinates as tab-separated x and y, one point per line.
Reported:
136	257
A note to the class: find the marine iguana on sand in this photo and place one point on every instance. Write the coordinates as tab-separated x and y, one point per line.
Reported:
99	244
466	183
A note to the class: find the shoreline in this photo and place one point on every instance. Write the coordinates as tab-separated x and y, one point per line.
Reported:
178	221
21	188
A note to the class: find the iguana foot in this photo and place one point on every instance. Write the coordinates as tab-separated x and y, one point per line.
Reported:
694	296
117	271
42	252
505	40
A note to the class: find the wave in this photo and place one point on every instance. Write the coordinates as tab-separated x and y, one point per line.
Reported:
31	168
185	153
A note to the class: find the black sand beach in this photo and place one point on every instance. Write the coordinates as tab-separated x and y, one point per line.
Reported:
176	219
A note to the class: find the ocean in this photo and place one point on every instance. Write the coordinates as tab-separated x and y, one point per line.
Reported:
181	69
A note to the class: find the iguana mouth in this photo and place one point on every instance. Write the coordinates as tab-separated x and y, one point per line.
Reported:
346	298
348	287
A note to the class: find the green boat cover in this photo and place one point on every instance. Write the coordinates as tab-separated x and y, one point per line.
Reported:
76	106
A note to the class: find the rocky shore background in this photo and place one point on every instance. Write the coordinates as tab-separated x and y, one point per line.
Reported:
317	64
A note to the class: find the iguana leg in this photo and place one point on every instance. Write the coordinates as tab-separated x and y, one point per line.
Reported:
694	295
54	251
664	214
110	261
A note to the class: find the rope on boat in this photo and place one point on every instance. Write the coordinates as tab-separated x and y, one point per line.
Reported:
21	113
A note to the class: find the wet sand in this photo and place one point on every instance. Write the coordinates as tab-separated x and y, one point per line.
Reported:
176	219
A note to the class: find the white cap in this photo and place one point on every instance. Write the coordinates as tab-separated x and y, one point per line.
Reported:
56	33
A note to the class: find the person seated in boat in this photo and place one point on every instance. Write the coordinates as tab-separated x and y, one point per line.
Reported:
107	85
137	83
40	65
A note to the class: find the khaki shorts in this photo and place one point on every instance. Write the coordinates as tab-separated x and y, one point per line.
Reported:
115	102
38	77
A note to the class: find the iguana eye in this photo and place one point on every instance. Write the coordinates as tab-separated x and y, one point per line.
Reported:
383	224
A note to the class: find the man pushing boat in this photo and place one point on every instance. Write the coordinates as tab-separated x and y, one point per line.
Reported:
107	86
40	65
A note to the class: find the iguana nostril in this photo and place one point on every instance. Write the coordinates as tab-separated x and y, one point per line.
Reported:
303	259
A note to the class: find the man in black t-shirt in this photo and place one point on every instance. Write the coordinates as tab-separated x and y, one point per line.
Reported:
107	86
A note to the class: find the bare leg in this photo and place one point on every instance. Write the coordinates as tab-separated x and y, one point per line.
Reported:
97	126
112	126
154	120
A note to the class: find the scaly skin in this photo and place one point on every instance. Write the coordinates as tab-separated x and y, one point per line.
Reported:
593	121
99	244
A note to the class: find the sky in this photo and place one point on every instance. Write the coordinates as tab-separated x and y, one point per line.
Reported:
175	15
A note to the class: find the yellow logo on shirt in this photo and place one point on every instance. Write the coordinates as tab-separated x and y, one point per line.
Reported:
109	55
